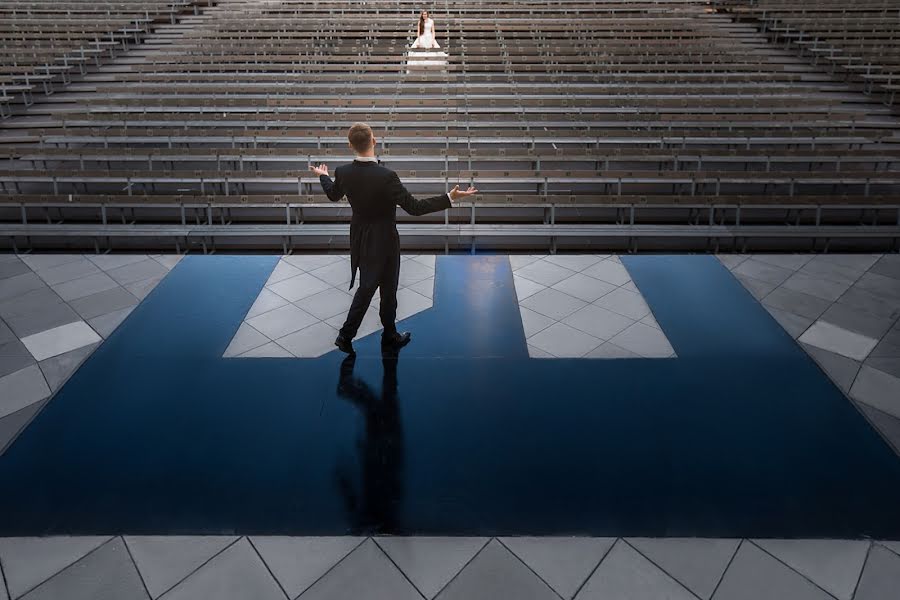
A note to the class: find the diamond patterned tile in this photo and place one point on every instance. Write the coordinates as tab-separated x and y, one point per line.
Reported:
563	341
283	270
410	303
84	286
11	425
759	289
244	340
644	340
68	271
533	322
266	301
22	388
731	261
282	321
298	562
428	260
526	287
14	356
326	304
336	274
552	303
819	266
13	287
598	322
365	573
496	573
575	262
108	262
431	562
763	271
238	573
858	321
104	303
791	262
538	353
625	303
106	324
840	341
753	575
299	287
139	271
310	342
795	325
833	565
41	319
881	286
863	300
797	303
57	370
609	271
545	273
697	563
873	387
840	369
564	563
38	262
815	286
583	287
888	265
424	287
164	561
60	340
518	261
141	289
29	561
270	350
610	350
881	577
168	260
412	272
624	573
310	262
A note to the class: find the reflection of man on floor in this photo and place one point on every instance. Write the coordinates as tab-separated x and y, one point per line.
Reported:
374	507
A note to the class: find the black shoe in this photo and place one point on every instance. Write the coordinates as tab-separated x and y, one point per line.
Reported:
344	345
395	340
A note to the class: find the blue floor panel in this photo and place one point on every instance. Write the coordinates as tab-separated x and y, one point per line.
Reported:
740	436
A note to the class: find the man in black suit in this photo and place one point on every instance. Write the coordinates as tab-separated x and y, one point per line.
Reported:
374	192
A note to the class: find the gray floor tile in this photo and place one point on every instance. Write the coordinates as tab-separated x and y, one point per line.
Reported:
496	573
731	261
819	267
697	563
538	353
326	304
864	300
545	273
21	389
860	321
881	286
429	260
564	563
139	271
6	334
270	350
108	262
795	325
583	287
875	388
644	340
12	425
840	369
796	302
238	573
753	575
310	262
424	287
33	301
887	425
881	576
888	265
38	262
141	289
598	322
105	574
14	356
892	546
283	270
833	565
28	562
298	562
552	303
815	286
609	271
13	287
58	369
299	287
763	271
410	303
431	562
282	321
245	339
60	340
885	349
104	325
410	272
68	271
563	341
104	303
838	340
610	350
759	289
310	342
651	321
169	261
526	287
164	561
517	261
338	273
624	573
889	365
85	286
860	262
791	262
48	317
11	268
533	322
266	301
575	262
365	573
625	303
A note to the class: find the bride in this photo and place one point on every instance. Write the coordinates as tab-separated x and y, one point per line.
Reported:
426	37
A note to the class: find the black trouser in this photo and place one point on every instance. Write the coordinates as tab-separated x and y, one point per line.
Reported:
385	277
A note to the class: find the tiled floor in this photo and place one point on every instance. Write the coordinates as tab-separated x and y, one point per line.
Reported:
336	568
844	310
304	302
54	310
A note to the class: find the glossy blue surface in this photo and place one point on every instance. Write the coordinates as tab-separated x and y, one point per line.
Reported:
741	435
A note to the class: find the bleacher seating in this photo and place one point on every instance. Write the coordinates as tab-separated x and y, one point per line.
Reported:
610	124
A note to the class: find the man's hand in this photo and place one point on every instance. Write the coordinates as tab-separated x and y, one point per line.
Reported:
456	193
320	170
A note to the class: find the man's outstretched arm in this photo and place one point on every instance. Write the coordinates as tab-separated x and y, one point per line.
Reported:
417	207
332	188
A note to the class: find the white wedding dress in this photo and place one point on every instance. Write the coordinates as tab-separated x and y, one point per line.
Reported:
426	40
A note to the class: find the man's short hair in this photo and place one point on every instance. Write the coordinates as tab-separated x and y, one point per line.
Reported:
361	137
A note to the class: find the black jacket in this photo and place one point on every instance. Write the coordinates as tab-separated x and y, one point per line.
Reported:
374	192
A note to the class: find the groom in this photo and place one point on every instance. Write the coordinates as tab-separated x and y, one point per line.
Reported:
374	193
